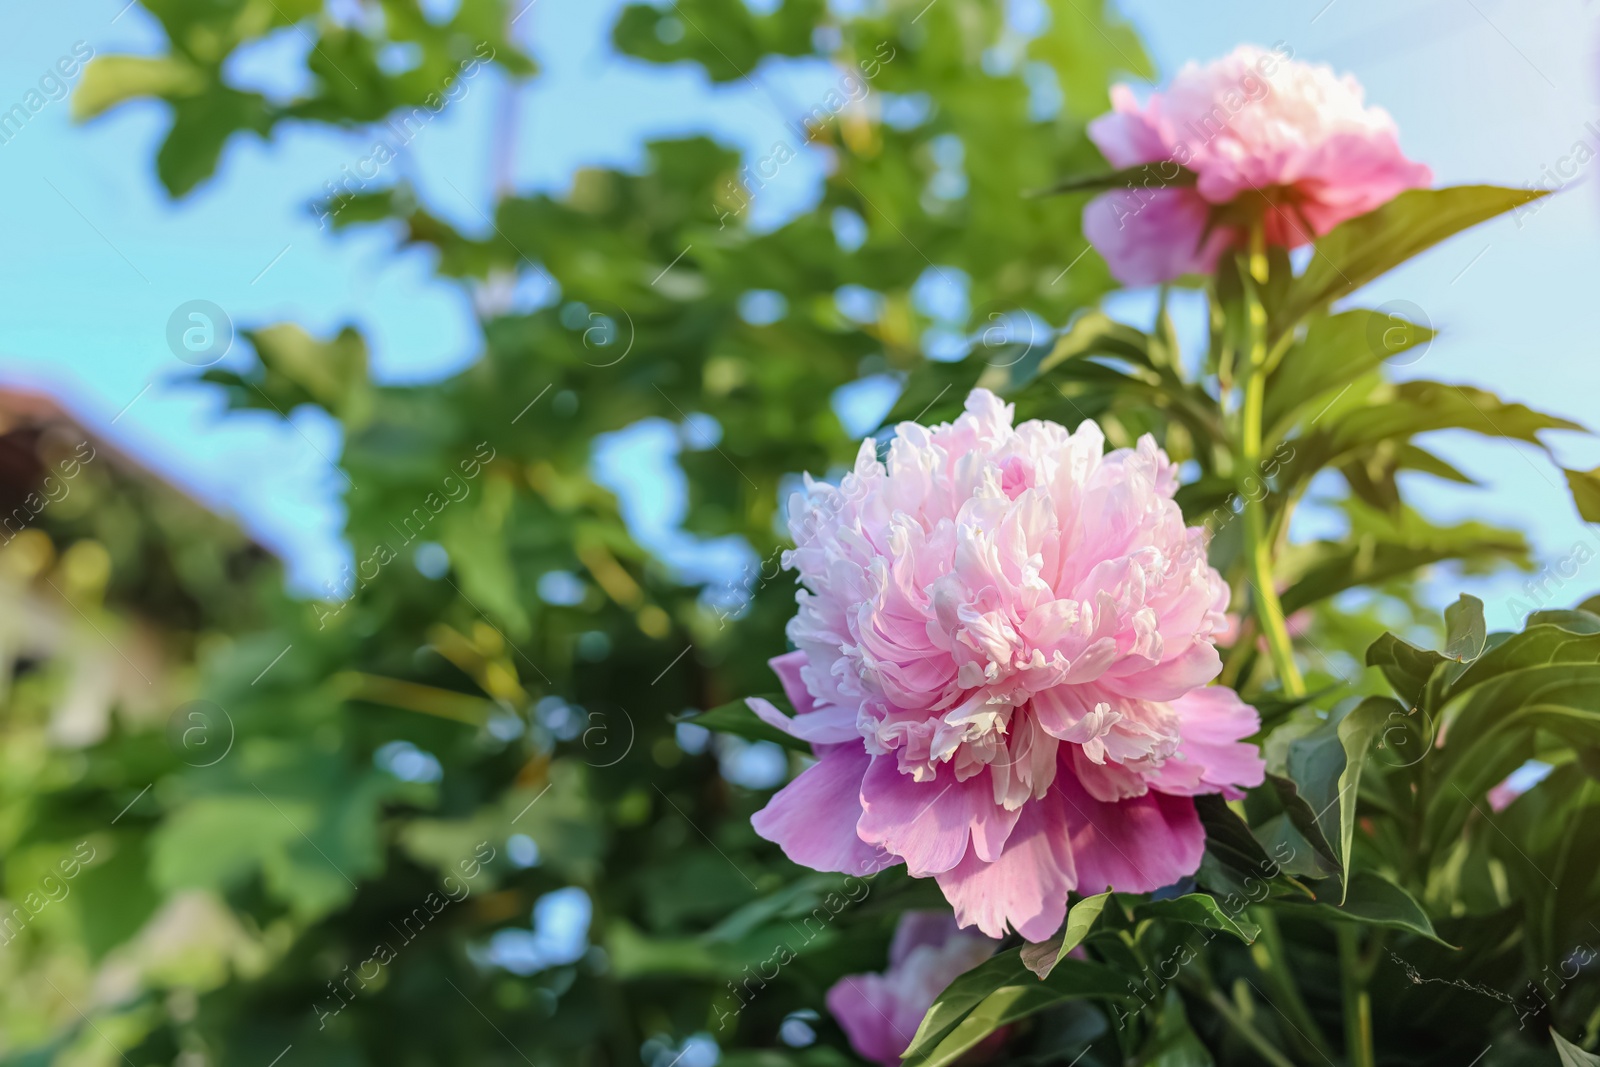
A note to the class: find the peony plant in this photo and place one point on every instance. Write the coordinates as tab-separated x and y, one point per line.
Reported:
1199	836
1004	640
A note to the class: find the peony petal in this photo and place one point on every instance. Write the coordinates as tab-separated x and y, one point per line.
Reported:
1133	846
1152	237
928	824
1026	887
865	1007
1213	756
787	668
916	928
813	818
829	726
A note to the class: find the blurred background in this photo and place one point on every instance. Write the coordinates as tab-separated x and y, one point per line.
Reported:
397	400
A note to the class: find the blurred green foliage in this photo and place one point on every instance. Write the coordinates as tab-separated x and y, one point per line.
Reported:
311	834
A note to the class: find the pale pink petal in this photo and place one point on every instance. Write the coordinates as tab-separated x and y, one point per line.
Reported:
1259	131
1213	756
867	1010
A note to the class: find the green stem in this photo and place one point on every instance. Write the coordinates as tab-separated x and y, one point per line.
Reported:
1272	956
1246	1029
1357	1001
1258	542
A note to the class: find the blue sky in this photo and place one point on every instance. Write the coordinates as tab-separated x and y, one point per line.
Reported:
1483	90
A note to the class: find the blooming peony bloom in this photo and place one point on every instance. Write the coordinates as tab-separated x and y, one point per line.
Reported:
880	1012
1004	639
1261	133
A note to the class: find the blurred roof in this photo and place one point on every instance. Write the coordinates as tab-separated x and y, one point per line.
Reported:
174	560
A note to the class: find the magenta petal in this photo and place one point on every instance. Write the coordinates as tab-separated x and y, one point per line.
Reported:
1132	846
866	1009
928	824
787	668
880	1012
813	818
1151	237
915	928
1027	886
828	726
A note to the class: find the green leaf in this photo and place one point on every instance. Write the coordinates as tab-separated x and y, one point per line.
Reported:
1571	1055
735	717
1388	546
1465	631
1198	909
1326	766
1373	900
1357	251
1042	958
201	126
1585	488
297	368
1148	176
725	37
1408	668
1235	860
1287	824
1570	620
1094	333
1336	351
999	992
111	80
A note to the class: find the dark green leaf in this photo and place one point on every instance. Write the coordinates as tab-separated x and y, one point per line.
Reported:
1357	251
1372	899
996	993
1140	176
735	717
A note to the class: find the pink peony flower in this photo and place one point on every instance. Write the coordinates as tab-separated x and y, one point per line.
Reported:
1262	133
1004	639
880	1012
